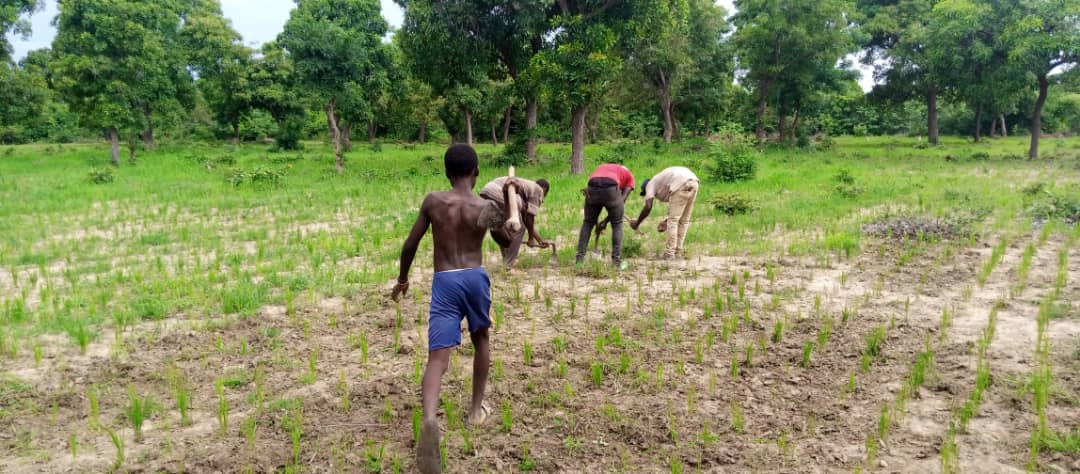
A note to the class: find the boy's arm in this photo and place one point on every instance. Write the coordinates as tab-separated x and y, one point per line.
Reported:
408	250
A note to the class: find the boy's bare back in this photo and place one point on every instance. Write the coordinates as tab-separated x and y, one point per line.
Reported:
457	229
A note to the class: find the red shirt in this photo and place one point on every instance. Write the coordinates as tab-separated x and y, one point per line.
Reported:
617	173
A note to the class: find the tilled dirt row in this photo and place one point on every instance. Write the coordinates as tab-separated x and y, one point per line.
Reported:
629	373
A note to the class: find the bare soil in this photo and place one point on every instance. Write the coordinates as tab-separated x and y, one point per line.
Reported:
658	405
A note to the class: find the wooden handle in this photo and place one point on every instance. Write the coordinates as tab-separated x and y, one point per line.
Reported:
513	220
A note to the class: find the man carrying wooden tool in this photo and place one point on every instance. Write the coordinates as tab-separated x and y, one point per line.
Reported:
528	196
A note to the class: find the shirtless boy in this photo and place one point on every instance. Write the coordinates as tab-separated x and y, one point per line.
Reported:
459	220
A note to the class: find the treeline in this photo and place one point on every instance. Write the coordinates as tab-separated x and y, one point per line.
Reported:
519	71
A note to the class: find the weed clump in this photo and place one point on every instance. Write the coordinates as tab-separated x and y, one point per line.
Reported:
914	227
102	175
1054	204
732	203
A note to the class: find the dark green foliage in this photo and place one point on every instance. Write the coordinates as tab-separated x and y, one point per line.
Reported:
733	164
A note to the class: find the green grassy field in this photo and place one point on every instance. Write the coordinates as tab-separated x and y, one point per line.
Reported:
255	283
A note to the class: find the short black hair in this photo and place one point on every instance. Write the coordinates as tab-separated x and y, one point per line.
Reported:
460	161
645	185
543	183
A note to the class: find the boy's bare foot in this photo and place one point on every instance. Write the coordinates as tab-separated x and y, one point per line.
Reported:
480	416
427	450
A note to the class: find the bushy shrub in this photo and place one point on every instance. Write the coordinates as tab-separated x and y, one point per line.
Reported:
732	203
102	175
266	175
513	154
730	165
844	176
849	190
622	151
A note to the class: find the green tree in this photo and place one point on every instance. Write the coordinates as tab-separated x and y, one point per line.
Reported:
11	20
784	45
707	86
583	57
272	84
24	102
896	33
334	43
222	63
1043	36
967	47
664	58
443	48
114	65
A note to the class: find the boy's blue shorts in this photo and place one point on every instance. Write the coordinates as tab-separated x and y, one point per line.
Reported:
456	295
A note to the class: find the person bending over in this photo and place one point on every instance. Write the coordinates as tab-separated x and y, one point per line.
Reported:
609	187
530	196
677	186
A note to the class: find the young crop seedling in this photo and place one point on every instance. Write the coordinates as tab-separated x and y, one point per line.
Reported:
92	395
808	348
738	421
223	407
507	417
118	443
526	352
343	391
137	411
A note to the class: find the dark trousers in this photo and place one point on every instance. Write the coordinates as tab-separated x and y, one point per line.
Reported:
597	199
509	243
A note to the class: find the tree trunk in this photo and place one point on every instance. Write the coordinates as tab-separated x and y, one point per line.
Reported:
346	140
577	133
708	125
335	135
795	125
468	126
236	132
763	97
494	133
978	123
993	127
114	140
423	131
132	140
665	107
507	116
148	134
781	127
1036	118
932	115
372	131
531	111
1004	129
